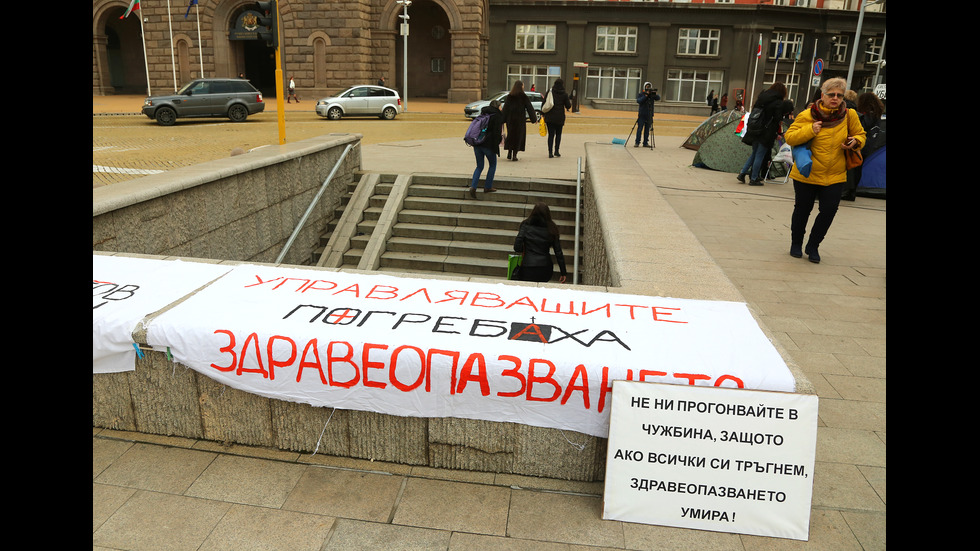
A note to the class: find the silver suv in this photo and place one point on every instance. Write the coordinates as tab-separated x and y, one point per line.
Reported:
206	97
361	100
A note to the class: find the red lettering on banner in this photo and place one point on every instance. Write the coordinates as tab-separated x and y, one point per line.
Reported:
393	292
261	282
466	374
656	314
315	364
372	365
557	310
355	288
272	360
605	307
493	298
723	378
631	306
691	377
428	358
310	286
531	379
523	301
453	296
230	349
539	384
423	290
580	372
515	373
394	364
344	359
252	338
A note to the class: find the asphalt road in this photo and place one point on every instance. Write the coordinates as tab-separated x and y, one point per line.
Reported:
128	145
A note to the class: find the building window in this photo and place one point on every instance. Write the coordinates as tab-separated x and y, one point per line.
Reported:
873	53
838	49
785	45
620	40
698	41
613	82
793	89
692	85
437	64
535	38
541	76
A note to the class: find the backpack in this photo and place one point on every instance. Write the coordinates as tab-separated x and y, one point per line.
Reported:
755	125
478	130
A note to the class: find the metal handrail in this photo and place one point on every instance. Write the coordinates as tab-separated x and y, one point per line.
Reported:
578	187
316	199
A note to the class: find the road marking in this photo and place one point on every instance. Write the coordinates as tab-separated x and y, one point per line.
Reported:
114	170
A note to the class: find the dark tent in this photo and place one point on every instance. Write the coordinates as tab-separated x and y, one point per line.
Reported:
719	147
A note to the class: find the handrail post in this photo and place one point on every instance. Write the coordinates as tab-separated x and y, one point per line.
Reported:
316	199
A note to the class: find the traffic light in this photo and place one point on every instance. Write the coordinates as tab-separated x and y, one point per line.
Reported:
268	23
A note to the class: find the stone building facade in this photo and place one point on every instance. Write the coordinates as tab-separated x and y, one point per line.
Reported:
459	50
326	46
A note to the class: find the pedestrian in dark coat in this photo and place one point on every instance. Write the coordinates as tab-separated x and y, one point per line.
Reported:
770	101
536	238
516	105
555	117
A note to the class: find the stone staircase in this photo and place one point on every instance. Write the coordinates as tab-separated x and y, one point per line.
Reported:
428	224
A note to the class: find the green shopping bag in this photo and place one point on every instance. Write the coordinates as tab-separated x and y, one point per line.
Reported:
514	266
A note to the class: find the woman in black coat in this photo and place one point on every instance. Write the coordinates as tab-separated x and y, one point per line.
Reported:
536	237
515	106
555	117
771	103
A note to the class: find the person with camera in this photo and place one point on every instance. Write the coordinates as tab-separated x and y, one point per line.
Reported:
645	114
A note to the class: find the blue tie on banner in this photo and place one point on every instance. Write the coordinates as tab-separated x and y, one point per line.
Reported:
189	6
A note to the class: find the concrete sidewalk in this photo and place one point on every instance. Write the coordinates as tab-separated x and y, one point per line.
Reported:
154	492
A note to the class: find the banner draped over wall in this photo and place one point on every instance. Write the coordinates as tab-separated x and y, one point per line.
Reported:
433	348
124	290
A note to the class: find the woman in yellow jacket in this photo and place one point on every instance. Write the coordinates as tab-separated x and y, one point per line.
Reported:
830	127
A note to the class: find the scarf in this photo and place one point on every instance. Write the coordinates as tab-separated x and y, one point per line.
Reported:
829	118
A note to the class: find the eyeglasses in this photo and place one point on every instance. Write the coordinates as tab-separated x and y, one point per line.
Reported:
834	95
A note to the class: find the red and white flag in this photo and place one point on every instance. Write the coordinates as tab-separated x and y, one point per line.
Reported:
133	6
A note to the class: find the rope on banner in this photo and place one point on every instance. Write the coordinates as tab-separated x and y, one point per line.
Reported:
323	431
580	447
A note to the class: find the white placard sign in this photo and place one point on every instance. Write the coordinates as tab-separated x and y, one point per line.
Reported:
126	289
436	348
716	459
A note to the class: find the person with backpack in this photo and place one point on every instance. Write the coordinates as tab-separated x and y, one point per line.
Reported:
761	130
488	147
554	117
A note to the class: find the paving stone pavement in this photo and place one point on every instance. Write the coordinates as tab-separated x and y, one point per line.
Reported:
153	492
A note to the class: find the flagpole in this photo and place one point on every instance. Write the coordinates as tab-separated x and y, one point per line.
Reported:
200	47
755	71
796	57
813	61
170	25
775	68
146	63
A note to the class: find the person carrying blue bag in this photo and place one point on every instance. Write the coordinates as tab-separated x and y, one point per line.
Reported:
830	129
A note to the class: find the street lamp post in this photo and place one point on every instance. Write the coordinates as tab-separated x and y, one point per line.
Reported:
404	32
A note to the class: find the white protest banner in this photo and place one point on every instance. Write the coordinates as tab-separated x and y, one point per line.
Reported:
714	459
125	290
433	348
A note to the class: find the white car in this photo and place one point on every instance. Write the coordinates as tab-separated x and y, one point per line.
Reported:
362	100
472	110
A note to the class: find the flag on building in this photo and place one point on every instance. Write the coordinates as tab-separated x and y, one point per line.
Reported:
758	53
133	6
189	6
779	50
